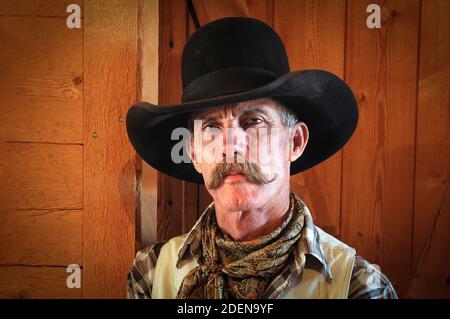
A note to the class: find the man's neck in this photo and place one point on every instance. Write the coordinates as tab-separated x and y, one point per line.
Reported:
251	224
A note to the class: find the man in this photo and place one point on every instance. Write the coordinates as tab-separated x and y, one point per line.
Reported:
253	123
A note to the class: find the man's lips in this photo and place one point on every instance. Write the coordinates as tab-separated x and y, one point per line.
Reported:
233	175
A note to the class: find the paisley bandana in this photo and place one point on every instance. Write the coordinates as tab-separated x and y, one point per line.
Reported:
241	269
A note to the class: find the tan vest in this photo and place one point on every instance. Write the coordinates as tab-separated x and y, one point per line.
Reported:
340	258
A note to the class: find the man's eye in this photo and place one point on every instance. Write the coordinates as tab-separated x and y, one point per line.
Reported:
253	121
210	126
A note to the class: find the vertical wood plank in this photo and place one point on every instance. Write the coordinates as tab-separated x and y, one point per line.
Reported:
172	39
210	10
204	199
431	206
147	176
110	57
433	122
431	278
190	206
314	35
177	204
378	168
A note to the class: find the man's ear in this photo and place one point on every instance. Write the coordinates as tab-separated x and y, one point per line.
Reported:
192	155
299	139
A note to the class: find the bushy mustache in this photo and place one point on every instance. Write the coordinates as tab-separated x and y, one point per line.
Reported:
250	170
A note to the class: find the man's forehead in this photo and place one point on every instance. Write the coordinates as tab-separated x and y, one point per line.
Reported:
238	108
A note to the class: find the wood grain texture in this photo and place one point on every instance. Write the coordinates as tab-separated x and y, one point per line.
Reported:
190	206
148	205
378	168
433	122
147	177
41	237
204	199
37	8
36	282
109	216
170	207
209	10
172	38
431	279
313	32
41	82
40	176
177	200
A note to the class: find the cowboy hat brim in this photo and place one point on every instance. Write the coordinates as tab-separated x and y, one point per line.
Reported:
319	98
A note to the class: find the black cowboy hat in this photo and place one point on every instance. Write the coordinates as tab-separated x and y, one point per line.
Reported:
238	59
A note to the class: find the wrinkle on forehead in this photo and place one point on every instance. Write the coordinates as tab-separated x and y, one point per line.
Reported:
220	112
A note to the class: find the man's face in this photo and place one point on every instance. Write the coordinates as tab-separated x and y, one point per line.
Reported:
244	152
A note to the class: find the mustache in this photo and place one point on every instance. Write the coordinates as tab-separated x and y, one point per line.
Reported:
250	170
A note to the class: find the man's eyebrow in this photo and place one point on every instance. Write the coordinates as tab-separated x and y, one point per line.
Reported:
256	110
248	112
208	117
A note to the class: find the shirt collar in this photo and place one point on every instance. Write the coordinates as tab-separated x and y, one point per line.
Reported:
308	246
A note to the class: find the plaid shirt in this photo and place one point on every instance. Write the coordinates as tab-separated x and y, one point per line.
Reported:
367	281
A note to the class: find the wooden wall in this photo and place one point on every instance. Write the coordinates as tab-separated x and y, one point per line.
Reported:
68	172
387	192
72	190
41	129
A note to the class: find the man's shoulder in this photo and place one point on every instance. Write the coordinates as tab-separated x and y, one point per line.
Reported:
177	241
328	241
141	275
151	252
369	282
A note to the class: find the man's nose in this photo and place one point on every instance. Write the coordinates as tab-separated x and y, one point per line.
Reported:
234	142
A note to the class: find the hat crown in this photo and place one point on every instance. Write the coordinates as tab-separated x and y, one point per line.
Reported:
235	42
